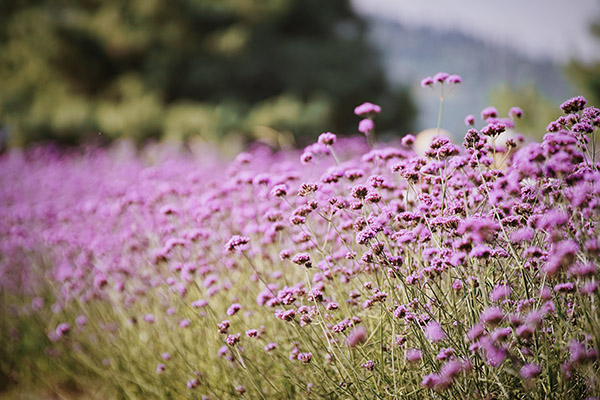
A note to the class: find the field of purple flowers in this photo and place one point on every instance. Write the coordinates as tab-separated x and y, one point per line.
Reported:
349	270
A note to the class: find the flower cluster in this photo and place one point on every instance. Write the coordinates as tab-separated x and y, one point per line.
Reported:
441	78
371	272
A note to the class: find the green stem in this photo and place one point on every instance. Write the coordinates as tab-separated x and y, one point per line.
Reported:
439	122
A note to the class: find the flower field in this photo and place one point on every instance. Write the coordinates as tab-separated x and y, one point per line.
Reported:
349	270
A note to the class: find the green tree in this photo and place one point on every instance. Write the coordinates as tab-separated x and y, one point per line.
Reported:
537	108
586	76
178	68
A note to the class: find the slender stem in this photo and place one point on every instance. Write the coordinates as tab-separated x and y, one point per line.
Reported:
439	122
335	157
371	139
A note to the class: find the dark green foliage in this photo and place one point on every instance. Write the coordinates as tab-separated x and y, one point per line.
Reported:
537	108
586	76
266	69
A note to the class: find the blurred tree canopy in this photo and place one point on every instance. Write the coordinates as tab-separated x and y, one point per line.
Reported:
538	109
587	75
141	69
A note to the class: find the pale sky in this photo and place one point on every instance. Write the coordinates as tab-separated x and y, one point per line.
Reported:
551	29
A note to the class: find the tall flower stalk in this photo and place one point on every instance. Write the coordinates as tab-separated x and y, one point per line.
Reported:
442	84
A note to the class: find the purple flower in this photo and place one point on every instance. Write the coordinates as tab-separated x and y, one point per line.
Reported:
279	190
359	191
441	77
434	332
306	157
545	293
534	318
367	108
457	285
81	321
475	332
481	229
373	197
589	287
199	303
579	354
493	129
525	331
237	242
357	336
529	371
234	308
160	368
500	334
515	112
149	318
561	256
365	235
522	235
193	383
494	355
552	219
286	315
480	251
489	112
168	210
427	81
445	353
444	379
223	326
413	355
366	126
500	292
284	254
491	315
252	333
270	346
456	79
302	259
369	365
553	126
37	303
376	181
62	329
307	188
470	120
565	287
327	138
184	323
450	370
305	357
100	281
232	340
430	380
240	389
408	140
573	105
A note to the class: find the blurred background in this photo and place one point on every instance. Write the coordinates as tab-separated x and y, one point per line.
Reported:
233	71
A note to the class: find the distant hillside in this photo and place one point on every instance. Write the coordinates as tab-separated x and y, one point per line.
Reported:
411	54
